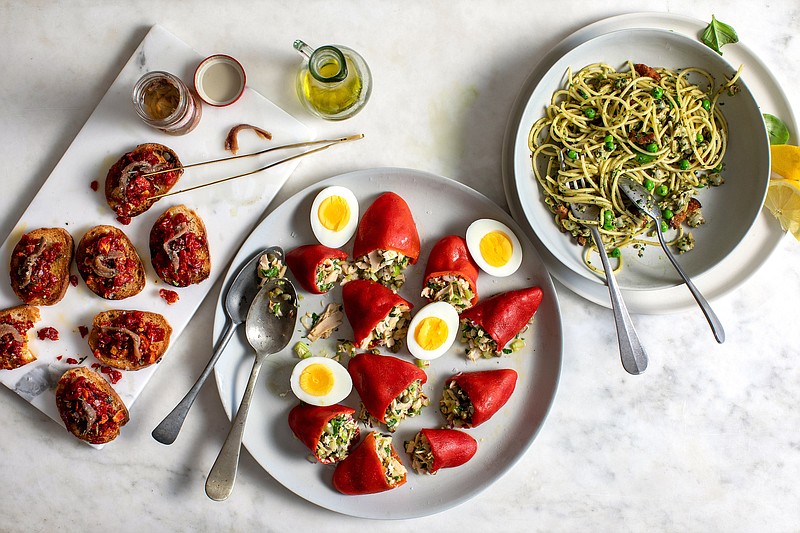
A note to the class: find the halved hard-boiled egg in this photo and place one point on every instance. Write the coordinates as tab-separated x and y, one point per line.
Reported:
494	247
432	330
334	216
320	381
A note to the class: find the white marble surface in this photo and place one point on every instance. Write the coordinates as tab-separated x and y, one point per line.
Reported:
706	440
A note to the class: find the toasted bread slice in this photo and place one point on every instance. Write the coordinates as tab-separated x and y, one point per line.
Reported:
40	266
109	263
128	192
14	326
89	406
179	247
129	340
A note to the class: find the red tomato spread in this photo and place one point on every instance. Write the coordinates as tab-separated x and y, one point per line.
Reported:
169	296
129	337
48	333
136	189
108	264
36	260
178	250
90	410
12	342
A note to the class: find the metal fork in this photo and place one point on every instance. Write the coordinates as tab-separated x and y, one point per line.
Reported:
631	351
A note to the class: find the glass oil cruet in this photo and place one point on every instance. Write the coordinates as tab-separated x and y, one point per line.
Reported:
334	82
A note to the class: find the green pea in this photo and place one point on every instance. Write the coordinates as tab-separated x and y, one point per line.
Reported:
609	146
608	226
572	154
699	137
664	226
649	184
652	148
662	190
706	104
590	113
667	214
608	216
608	138
657	93
683	164
615	252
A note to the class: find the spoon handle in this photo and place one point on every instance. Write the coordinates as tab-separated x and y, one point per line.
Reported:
631	351
219	484
167	431
711	317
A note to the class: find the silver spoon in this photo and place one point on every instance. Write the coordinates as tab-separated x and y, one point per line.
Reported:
268	332
238	298
648	205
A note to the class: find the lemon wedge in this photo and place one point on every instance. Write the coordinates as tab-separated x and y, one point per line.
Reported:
786	161
783	201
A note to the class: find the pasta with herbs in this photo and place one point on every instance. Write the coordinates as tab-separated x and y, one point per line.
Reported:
660	127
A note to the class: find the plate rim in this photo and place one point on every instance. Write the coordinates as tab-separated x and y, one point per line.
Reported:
246	250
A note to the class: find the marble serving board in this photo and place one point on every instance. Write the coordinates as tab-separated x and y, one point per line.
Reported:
67	200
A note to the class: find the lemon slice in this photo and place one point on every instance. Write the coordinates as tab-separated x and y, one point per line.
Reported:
783	201
786	160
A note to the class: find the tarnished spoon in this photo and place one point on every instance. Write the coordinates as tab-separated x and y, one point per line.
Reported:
270	325
648	205
238	298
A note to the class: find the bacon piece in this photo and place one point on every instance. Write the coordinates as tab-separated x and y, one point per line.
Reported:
644	70
232	140
678	218
641	138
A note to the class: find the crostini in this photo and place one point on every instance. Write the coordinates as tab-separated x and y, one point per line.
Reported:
40	264
109	264
129	340
179	247
128	191
14	326
89	406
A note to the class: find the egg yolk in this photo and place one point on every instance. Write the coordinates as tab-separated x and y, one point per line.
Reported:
316	380
431	333
496	248
334	213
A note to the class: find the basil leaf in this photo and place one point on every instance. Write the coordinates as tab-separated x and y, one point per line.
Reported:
718	34
777	130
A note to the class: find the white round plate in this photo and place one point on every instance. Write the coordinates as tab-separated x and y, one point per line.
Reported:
440	207
764	235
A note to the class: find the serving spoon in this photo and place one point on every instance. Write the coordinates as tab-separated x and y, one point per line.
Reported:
270	324
241	293
642	198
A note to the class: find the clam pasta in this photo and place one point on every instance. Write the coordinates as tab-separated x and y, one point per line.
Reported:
663	128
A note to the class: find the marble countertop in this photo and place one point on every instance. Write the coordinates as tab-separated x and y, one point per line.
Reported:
705	440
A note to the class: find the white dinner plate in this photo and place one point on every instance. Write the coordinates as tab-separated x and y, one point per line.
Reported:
765	233
440	207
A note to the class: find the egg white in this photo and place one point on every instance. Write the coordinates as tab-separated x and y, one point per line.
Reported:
331	238
443	311
477	230
342	383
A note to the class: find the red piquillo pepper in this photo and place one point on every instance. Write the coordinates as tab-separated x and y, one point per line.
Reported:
478	396
308	422
387	224
504	315
379	379
450	257
448	447
366	304
307	264
363	472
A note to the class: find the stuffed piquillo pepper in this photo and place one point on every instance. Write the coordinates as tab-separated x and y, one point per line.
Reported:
390	388
451	274
487	327
373	466
316	267
386	242
330	432
471	398
432	449
379	317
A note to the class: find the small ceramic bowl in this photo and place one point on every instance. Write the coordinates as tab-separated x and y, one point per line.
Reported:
219	80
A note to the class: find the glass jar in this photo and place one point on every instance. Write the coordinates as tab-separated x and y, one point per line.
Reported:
164	102
334	82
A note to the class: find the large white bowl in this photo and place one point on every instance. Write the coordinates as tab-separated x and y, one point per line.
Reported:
729	210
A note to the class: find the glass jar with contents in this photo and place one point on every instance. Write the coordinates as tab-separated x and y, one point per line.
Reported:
164	102
334	82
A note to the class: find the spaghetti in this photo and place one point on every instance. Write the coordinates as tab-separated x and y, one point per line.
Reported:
652	124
